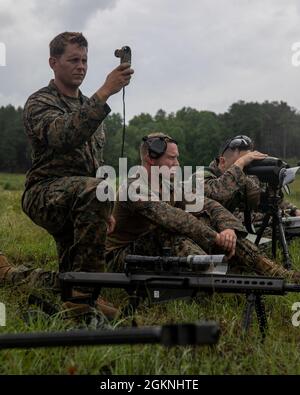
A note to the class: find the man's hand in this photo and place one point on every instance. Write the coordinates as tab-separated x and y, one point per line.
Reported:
115	81
111	223
227	241
248	158
297	213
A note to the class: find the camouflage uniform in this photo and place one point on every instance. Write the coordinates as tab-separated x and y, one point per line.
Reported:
233	188
145	227
236	191
10	274
60	192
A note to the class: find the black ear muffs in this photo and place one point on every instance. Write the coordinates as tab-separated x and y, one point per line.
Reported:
157	148
157	145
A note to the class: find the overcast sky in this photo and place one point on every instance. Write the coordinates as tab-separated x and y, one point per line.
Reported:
205	54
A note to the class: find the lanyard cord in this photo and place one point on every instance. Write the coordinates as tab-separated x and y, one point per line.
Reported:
124	126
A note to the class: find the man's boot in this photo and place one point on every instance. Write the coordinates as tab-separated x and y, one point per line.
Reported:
104	307
6	270
268	267
249	255
271	268
93	316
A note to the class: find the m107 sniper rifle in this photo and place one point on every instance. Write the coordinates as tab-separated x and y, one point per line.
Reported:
164	278
276	174
199	333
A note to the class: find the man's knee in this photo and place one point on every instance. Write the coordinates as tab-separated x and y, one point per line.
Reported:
184	246
51	206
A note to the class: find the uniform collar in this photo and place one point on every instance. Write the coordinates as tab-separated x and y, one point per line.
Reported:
57	93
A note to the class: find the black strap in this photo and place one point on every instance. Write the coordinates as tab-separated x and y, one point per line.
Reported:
124	124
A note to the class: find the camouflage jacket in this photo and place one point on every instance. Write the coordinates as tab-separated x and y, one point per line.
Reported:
236	191
233	189
135	219
65	134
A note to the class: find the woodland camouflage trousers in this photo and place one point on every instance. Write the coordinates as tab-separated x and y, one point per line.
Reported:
69	210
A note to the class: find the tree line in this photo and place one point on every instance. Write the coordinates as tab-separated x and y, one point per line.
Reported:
274	127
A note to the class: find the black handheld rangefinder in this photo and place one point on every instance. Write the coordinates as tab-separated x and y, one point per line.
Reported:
124	54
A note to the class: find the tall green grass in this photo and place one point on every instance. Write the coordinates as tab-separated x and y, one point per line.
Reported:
25	243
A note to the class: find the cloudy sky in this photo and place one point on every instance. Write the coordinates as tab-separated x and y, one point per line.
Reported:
205	54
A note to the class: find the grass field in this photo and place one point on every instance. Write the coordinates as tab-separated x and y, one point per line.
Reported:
25	243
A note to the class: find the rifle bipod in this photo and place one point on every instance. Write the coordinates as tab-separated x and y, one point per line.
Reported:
255	301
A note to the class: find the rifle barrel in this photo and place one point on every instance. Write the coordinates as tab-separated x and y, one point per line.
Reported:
200	333
292	287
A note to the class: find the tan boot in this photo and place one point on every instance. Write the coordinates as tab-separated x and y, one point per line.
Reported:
271	268
295	276
104	307
107	309
6	269
75	310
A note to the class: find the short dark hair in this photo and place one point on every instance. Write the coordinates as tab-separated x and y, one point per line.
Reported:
59	43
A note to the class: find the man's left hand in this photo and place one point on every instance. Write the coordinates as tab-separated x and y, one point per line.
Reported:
228	241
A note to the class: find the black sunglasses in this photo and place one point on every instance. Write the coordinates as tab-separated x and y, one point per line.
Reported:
241	142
